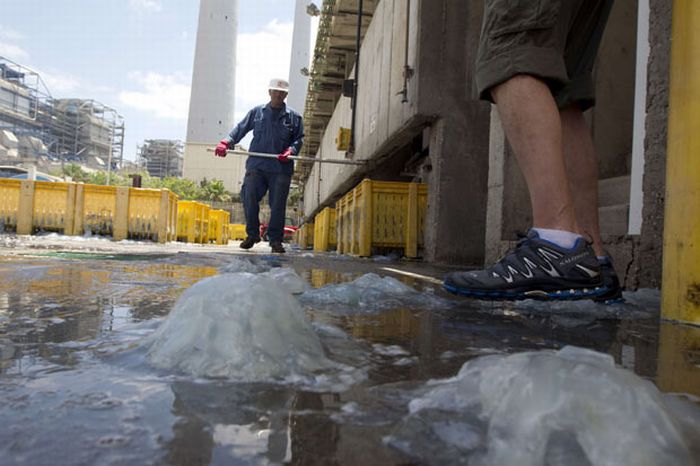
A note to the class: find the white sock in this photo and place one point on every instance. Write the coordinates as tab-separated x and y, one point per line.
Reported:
562	238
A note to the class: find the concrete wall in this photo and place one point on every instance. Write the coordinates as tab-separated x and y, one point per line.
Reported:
442	42
383	122
459	140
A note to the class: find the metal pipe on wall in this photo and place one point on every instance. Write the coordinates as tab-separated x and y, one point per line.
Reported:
358	41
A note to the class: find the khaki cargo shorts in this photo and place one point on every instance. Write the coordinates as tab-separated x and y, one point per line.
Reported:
555	40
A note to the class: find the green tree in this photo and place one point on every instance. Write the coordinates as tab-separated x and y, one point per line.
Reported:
214	191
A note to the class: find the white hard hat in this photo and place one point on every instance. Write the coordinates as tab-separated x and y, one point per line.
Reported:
279	85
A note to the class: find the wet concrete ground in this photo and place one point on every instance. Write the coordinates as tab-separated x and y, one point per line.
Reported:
74	388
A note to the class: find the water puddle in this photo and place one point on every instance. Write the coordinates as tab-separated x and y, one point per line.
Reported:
204	358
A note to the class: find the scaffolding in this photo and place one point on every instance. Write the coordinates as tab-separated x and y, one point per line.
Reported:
34	126
162	157
87	128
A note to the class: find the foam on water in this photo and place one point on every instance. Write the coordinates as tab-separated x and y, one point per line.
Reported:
370	293
567	407
240	326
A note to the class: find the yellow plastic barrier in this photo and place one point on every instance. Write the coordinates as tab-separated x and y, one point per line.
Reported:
382	214
677	367
192	222
325	236
96	211
9	203
27	206
53	207
125	212
152	214
73	209
236	231
218	226
305	236
680	286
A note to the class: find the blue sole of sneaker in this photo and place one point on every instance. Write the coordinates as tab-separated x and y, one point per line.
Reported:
560	295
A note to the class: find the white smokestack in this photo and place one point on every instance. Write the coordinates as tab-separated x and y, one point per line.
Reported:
301	42
214	75
213	92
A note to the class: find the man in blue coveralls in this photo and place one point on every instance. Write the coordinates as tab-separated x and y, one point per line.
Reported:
277	129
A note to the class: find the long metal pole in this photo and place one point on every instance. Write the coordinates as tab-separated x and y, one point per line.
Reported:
294	158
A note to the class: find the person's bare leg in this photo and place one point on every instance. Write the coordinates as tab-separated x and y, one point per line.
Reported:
581	161
532	124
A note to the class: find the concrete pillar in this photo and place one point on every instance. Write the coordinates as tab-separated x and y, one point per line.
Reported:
651	241
455	223
508	207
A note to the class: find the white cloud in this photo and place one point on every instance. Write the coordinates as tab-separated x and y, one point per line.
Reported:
146	5
8	44
9	33
62	84
13	52
165	96
261	56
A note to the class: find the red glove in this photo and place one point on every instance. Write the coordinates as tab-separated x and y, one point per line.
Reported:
221	149
284	156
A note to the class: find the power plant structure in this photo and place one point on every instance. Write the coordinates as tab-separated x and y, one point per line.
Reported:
38	130
162	158
211	114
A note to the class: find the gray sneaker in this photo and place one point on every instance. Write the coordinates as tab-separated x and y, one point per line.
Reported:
613	290
535	269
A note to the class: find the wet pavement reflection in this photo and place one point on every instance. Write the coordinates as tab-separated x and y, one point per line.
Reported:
75	388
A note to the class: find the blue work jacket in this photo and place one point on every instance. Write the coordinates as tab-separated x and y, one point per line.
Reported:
271	136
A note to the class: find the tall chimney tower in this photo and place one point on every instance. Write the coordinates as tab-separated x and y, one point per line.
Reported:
301	41
211	114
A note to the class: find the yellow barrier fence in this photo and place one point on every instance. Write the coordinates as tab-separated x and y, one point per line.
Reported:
325	236
124	212
9	203
152	214
305	236
27	206
236	231
218	226
192	222
382	214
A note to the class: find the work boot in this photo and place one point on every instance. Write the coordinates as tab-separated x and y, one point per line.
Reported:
249	242
535	269
277	248
613	290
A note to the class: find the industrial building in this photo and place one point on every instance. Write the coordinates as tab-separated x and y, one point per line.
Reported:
37	129
162	158
412	115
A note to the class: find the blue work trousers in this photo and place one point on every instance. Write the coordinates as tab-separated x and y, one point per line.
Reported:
255	185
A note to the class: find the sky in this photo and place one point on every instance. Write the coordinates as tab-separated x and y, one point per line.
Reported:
136	56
